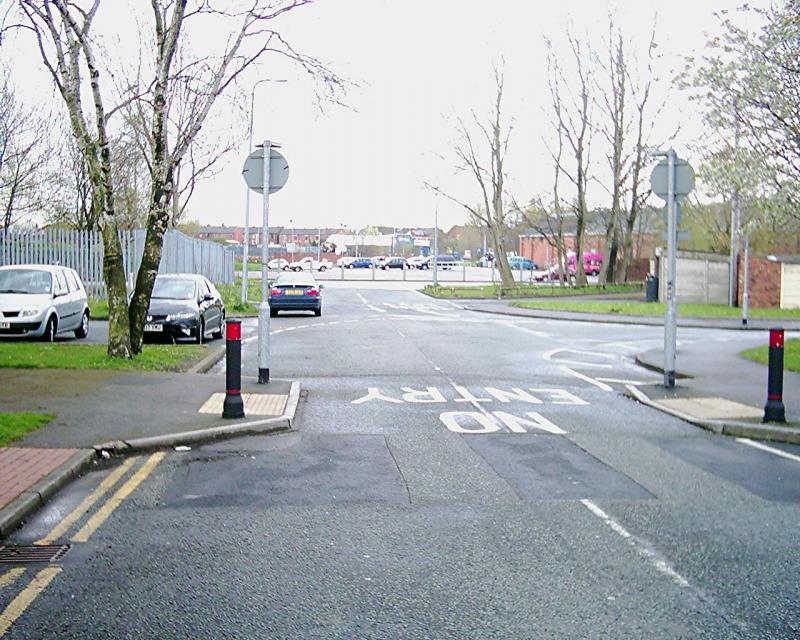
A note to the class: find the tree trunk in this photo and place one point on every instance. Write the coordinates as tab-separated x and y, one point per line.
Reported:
500	258
157	222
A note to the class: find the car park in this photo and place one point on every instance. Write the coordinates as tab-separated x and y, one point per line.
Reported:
184	306
42	301
396	262
278	264
309	264
295	292
360	263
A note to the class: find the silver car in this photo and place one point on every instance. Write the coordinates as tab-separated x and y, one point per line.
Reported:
41	301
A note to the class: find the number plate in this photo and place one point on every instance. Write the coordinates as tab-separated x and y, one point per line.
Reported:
294	292
5	325
154	327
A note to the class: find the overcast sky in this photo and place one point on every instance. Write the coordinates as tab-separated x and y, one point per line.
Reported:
419	64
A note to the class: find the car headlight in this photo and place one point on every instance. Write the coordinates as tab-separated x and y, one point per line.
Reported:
27	313
188	315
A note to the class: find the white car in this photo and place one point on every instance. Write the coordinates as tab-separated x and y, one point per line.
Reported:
41	301
344	261
278	264
309	264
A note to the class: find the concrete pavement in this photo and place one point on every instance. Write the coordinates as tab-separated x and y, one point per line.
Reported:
103	413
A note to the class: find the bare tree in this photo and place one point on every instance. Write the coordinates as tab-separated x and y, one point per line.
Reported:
488	169
574	122
63	31
23	155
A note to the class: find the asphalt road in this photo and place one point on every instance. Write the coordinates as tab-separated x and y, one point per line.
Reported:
453	475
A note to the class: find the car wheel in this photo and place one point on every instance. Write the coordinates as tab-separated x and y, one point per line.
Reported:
322	268
297	269
49	334
273	313
318	312
218	332
201	331
83	330
572	280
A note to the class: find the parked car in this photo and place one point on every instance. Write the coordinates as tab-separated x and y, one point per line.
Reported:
396	262
309	264
592	262
419	262
41	301
519	262
295	292
551	275
445	262
278	264
377	261
344	261
485	261
360	263
184	305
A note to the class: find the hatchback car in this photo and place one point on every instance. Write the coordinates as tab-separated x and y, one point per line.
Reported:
360	263
518	262
41	301
184	306
295	292
396	262
278	264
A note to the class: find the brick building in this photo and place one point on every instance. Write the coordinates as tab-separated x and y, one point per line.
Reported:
772	281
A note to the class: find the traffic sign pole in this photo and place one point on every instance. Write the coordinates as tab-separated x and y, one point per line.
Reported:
263	309
670	321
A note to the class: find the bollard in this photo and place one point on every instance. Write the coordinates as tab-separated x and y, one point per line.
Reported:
233	407
774	410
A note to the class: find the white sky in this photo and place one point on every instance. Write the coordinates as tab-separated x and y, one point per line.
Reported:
420	63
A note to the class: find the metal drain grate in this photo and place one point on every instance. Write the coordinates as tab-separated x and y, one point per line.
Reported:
32	553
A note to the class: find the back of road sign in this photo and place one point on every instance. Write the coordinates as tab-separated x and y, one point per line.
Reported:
253	170
684	179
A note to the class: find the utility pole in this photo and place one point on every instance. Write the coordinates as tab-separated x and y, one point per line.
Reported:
733	281
670	322
263	308
436	242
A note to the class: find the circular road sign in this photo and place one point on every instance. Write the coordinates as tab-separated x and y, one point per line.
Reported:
253	170
684	179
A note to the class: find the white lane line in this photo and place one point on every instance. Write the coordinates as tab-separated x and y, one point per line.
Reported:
585	378
634	382
763	447
533	332
548	355
369	306
642	549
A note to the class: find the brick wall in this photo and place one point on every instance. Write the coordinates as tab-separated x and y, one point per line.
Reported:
764	282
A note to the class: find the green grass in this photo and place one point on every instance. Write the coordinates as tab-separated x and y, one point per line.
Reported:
527	290
232	297
791	355
634	308
154	357
14	426
98	308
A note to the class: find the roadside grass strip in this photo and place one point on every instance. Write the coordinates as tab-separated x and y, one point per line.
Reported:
23	600
102	514
791	354
156	357
14	426
523	290
634	308
108	482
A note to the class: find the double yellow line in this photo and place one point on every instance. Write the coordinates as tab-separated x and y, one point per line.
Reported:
40	581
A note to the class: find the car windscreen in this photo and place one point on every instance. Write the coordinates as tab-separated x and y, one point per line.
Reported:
173	289
31	281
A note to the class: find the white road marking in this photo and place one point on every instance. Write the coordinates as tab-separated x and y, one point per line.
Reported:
643	549
369	306
533	332
763	447
585	378
634	382
548	355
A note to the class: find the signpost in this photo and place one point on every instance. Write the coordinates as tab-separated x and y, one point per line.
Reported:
265	171
672	180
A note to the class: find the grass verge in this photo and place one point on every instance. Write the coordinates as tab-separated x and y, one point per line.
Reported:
14	426
791	355
232	297
98	308
154	357
527	291
634	308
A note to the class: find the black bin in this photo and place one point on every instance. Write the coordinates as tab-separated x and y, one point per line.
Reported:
651	288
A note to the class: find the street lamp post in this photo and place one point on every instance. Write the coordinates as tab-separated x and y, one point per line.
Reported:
291	238
246	249
319	244
436	242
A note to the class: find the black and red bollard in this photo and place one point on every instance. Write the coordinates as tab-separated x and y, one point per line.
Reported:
774	410
233	407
